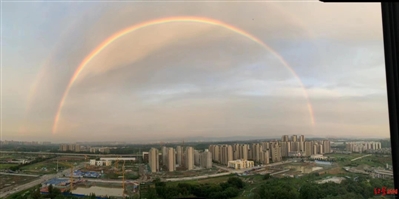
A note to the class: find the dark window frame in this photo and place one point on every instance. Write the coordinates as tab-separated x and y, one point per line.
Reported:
390	24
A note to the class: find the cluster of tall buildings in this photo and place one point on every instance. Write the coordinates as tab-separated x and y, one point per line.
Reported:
362	146
70	147
172	158
12	142
263	152
260	153
78	148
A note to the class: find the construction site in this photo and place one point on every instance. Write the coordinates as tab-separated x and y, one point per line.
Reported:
100	180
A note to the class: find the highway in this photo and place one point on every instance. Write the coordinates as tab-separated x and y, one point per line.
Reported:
11	190
71	154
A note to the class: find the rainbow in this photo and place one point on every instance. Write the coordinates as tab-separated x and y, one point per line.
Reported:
202	20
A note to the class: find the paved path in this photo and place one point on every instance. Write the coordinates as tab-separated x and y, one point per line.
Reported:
278	172
19	174
361	157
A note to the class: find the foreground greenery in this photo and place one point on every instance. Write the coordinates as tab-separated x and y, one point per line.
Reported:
53	193
224	190
263	187
304	188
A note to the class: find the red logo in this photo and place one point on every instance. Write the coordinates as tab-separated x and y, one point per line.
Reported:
384	191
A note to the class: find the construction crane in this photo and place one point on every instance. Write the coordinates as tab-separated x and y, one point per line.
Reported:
123	180
86	164
182	155
117	162
70	177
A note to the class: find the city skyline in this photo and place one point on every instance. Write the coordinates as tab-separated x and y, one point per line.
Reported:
191	70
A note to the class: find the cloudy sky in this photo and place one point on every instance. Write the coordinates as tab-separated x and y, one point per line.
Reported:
185	79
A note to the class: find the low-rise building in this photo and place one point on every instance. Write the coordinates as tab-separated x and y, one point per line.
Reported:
240	164
100	162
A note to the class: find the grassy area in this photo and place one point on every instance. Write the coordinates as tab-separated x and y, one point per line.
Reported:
38	168
345	157
23	193
216	180
373	160
6	166
11	180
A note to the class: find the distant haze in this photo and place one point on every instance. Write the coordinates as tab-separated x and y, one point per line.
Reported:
188	79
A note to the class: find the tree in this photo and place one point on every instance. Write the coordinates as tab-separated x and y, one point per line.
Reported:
231	192
35	194
267	176
151	194
92	196
236	182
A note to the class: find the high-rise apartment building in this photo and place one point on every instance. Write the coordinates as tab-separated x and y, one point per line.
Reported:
276	152
197	158
243	152
189	158
226	154
215	150
265	156
153	160
308	148
256	148
206	159
164	155
301	138
170	159
285	146
326	146
301	146
315	149
293	138
236	151
179	153
284	138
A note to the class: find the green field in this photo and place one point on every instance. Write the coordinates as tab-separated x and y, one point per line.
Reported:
6	166
219	179
373	160
50	165
345	157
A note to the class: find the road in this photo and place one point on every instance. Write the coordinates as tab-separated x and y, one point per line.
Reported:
36	182
278	172
71	154
361	157
243	170
18	174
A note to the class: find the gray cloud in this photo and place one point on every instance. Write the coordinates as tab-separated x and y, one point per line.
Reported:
185	79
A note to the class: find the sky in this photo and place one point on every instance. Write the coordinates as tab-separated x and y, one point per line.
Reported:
186	79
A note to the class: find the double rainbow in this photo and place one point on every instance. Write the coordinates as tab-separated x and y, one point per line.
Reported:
202	20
